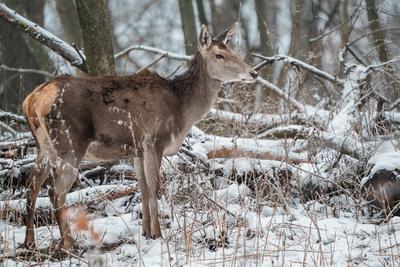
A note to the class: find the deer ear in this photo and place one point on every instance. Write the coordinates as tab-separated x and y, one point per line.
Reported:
205	37
227	35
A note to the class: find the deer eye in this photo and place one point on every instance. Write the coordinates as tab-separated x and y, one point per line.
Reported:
219	56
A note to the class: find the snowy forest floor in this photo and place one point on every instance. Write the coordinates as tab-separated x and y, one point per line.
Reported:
215	212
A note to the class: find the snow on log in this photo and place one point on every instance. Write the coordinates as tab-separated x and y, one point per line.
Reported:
228	147
11	116
85	196
261	120
17	143
43	36
344	144
392	116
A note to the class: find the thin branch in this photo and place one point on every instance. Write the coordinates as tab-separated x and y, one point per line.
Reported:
8	128
43	36
151	63
20	70
373	32
299	63
152	50
12	116
391	61
279	92
394	104
314	39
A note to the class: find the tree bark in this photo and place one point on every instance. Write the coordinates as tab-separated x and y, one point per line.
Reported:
378	38
188	26
18	51
41	35
97	37
202	13
265	11
69	21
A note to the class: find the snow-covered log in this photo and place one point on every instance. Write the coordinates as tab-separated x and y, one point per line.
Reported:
11	116
344	144
87	196
43	36
228	147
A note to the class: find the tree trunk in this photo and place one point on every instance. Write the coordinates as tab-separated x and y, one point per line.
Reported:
304	27
378	38
202	13
265	11
225	14
19	51
69	21
96	33
188	26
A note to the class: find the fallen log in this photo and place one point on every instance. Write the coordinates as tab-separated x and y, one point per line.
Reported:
236	153
87	197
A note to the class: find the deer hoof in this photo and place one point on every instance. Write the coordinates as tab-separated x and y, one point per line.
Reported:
28	245
155	236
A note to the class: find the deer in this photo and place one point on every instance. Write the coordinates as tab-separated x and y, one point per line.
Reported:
140	117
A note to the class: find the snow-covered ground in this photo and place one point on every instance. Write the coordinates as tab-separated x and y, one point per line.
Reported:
209	219
232	233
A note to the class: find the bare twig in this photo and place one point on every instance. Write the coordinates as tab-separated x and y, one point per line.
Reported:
152	63
152	50
299	63
279	92
394	104
391	61
20	70
8	128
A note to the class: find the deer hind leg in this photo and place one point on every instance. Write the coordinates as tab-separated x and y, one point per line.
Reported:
151	163
37	177
61	182
139	169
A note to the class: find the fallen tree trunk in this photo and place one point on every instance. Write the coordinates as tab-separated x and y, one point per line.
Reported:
344	144
87	197
236	153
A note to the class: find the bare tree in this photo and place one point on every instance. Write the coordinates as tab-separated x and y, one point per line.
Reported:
188	26
378	36
97	37
19	51
202	12
69	20
265	11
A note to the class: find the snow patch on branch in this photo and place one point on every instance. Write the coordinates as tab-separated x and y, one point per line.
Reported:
43	36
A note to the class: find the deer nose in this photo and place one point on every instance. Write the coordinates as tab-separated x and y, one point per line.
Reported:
254	74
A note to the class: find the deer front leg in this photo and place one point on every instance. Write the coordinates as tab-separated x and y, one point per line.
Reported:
151	162
62	182
35	181
139	170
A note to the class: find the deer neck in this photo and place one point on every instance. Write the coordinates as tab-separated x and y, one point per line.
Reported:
197	91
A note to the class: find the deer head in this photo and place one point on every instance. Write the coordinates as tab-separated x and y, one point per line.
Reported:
222	63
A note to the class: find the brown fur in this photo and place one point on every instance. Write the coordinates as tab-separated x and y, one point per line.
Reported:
142	116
